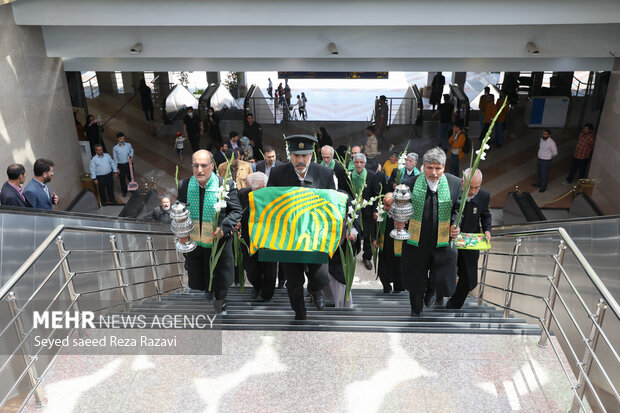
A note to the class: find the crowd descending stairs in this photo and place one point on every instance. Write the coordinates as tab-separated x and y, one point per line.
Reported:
373	311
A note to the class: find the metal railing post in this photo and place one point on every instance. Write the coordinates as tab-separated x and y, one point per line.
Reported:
39	396
68	275
149	245
552	294
483	278
116	255
511	278
597	318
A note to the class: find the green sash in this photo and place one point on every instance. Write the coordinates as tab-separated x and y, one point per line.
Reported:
444	210
210	198
331	165
401	174
359	180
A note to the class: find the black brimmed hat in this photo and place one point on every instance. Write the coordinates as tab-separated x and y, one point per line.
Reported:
300	144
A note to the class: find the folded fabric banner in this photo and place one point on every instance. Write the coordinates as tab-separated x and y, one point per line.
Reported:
294	224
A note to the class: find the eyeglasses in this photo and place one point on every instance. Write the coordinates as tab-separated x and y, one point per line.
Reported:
201	165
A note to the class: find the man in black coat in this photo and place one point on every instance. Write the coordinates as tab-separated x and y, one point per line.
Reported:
408	173
301	171
220	156
160	213
265	166
11	193
193	128
254	132
262	275
371	188
428	262
201	186
327	154
476	216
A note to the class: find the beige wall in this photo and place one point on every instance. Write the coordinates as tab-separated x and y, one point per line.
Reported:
606	157
36	119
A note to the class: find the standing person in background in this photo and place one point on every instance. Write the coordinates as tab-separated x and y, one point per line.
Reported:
11	193
239	169
270	88
437	85
79	128
233	143
547	149
123	155
456	142
269	162
490	110
582	154
323	139
213	127
482	104
446	117
501	119
254	131
327	156
219	157
146	100
102	170
93	131
304	101
407	174
280	98
381	120
287	93
179	144
160	213
38	191
371	149
193	128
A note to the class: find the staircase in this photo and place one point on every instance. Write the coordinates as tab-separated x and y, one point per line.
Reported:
373	311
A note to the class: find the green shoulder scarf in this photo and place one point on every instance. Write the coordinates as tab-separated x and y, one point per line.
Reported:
210	198
359	180
418	196
331	165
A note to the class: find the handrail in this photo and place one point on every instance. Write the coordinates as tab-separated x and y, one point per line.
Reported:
613	304
567	318
25	331
49	240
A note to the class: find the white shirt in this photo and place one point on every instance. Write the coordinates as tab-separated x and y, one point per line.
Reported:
433	185
547	149
179	142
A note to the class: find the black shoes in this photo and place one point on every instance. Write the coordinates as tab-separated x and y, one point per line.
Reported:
438	300
387	289
319	300
255	292
417	304
209	295
219	306
368	264
300	316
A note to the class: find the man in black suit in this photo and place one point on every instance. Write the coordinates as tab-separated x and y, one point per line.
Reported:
435	198
11	193
220	156
406	174
254	131
200	191
369	183
262	275
390	250
301	171
265	166
476	215
327	154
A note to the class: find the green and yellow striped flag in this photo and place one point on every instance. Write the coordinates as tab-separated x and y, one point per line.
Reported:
295	224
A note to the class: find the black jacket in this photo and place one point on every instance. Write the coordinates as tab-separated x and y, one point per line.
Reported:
407	179
260	165
158	214
229	216
10	196
255	133
219	158
244	200
372	189
318	176
476	215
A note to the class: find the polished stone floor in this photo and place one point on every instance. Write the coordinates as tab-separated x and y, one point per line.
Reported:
317	371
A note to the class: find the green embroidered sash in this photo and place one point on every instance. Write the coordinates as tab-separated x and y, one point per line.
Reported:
444	211
208	212
359	180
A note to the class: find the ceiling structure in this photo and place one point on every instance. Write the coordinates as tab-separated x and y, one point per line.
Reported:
293	35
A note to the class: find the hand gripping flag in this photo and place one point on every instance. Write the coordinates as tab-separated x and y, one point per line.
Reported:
295	224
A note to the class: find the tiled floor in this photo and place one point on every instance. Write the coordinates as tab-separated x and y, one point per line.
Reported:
315	371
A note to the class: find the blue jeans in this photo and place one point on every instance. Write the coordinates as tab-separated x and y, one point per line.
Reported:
543	173
454	165
444	130
499	132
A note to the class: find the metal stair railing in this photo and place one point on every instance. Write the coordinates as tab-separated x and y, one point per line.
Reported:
512	283
121	273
